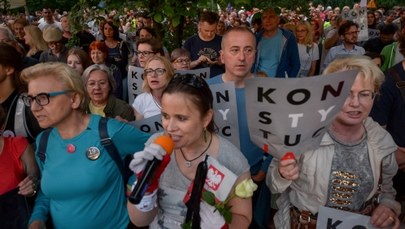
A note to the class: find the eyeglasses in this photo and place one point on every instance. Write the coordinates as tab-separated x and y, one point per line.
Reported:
247	51
352	33
182	61
300	31
158	71
42	99
144	53
363	96
93	83
190	79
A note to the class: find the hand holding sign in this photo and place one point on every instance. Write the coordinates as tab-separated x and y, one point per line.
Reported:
293	114
384	217
287	167
287	156
333	218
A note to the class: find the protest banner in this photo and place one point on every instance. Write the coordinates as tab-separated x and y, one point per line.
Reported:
149	125
226	112
358	16
291	115
330	218
135	81
202	72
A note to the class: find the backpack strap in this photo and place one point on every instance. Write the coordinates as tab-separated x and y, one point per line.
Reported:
109	145
19	119
399	83
43	143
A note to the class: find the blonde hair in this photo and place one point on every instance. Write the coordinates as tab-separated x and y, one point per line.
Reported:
365	66
168	67
37	41
309	39
63	73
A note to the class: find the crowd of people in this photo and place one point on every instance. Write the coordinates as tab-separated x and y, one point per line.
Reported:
72	106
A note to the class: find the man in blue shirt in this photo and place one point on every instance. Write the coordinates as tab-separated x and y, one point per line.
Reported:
277	49
350	32
238	54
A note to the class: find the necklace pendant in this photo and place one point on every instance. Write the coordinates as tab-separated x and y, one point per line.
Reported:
188	164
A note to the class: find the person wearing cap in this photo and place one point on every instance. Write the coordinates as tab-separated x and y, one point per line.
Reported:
57	51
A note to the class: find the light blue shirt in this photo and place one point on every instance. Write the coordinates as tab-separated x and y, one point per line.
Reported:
270	53
253	153
341	52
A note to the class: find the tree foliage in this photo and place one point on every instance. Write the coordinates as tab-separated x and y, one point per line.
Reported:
176	20
176	8
173	19
388	4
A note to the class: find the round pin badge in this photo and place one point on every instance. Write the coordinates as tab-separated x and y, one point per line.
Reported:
93	153
71	148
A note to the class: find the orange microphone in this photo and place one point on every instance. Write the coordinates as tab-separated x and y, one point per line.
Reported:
166	143
152	171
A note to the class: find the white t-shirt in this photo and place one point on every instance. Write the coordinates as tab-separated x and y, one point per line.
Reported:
45	24
307	55
146	105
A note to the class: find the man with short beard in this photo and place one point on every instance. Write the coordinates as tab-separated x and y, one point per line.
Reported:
349	32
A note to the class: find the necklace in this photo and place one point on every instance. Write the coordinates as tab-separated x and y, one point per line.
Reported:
188	162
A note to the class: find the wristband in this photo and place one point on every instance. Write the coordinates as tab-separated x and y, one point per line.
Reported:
148	202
